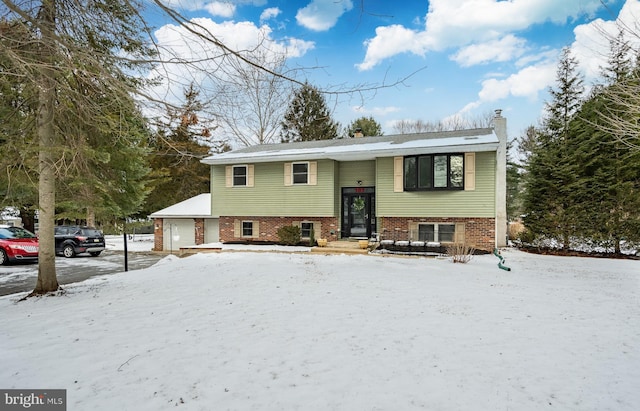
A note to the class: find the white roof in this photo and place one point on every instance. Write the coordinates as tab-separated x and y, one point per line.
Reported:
366	148
194	207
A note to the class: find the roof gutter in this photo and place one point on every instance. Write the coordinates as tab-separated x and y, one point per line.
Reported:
345	155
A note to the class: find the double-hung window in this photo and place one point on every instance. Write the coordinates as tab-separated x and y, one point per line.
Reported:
434	172
247	228
305	229
239	176
300	173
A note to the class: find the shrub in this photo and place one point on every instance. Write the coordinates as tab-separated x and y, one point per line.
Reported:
312	238
527	236
289	235
515	230
460	252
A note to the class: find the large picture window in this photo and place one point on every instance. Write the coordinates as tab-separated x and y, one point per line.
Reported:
434	172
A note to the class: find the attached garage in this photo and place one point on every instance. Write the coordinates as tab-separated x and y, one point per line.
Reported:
185	224
178	232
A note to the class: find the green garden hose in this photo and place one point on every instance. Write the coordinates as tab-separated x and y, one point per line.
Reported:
500	265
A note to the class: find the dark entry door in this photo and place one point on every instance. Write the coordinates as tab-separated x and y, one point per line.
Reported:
358	212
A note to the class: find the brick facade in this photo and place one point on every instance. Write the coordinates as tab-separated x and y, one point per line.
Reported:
158	237
268	227
478	232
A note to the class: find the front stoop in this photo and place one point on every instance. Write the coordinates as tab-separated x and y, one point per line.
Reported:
340	247
186	251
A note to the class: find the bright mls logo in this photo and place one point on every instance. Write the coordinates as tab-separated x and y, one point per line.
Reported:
40	400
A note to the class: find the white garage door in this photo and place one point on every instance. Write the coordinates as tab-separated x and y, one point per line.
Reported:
211	230
178	232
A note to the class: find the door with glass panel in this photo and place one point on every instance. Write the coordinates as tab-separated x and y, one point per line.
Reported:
358	212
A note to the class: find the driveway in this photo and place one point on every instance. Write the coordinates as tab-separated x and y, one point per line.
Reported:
22	277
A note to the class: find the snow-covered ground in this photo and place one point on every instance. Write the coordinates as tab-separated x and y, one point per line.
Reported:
144	242
277	331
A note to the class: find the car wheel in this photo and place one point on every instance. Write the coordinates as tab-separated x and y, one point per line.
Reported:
3	257
95	253
68	251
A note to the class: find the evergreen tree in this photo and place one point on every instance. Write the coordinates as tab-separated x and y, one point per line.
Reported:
108	179
63	54
308	118
367	125
609	174
514	206
608	193
177	148
549	201
619	61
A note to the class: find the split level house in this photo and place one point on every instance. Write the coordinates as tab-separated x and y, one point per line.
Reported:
436	187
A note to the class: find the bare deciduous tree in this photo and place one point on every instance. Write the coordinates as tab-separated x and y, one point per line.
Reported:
620	117
449	124
250	101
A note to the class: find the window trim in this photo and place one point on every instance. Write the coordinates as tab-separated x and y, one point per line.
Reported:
246	175
436	231
242	223
312	228
293	173
432	187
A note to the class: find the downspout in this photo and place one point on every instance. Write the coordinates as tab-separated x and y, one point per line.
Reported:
500	128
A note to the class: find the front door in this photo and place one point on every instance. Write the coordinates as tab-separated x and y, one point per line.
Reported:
358	212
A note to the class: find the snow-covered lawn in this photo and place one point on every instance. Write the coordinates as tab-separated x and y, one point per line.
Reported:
275	331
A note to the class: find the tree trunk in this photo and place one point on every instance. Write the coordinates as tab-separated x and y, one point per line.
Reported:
28	218
47	279
91	217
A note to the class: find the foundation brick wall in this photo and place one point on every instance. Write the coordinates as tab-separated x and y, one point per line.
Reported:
268	227
158	237
478	232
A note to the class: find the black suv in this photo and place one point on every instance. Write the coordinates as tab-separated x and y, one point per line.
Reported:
73	239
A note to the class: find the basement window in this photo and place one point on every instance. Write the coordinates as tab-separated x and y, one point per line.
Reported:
247	228
442	233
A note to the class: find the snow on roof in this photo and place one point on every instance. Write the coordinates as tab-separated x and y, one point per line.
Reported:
365	148
198	206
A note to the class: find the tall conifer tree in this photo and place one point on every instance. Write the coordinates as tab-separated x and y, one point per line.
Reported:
551	172
308	117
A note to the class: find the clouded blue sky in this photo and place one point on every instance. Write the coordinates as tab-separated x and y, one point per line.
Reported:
468	57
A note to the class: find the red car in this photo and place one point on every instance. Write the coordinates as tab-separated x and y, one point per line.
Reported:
17	244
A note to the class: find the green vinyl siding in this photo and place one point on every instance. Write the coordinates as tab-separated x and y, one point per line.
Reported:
447	203
269	196
353	171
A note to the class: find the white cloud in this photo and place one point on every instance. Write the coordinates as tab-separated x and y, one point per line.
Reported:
321	15
504	49
221	9
459	23
389	41
375	111
179	45
591	46
528	83
269	13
